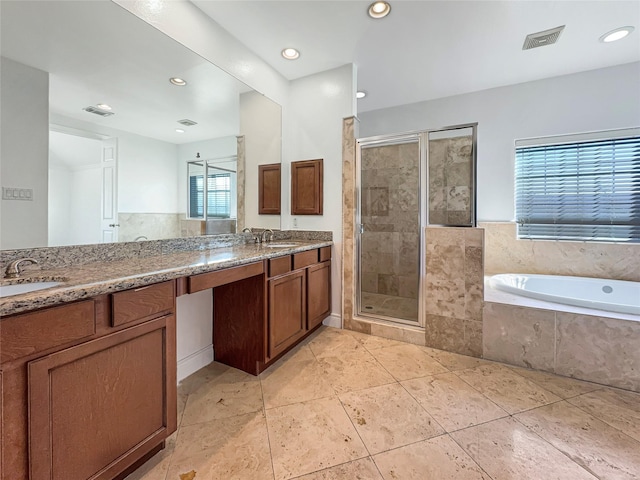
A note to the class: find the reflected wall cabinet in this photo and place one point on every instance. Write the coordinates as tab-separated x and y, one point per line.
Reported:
306	187
269	189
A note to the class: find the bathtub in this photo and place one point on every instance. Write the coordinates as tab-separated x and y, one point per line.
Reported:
601	294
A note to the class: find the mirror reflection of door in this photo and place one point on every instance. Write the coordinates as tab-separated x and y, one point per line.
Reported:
76	188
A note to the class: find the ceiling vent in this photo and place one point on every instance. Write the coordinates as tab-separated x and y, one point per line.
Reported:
97	111
187	123
540	39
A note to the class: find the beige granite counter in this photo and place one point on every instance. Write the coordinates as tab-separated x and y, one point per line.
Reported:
97	278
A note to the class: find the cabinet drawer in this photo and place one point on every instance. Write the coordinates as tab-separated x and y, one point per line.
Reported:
143	302
304	259
29	333
325	254
205	281
279	266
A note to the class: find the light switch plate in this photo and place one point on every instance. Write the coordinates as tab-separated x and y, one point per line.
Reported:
10	193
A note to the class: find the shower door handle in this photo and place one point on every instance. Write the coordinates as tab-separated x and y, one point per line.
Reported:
361	228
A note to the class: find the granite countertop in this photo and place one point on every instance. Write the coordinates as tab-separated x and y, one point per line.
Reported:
92	279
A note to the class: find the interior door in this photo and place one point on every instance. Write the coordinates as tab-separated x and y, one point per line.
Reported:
109	221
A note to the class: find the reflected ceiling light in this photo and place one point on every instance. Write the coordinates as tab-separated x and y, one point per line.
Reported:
290	53
104	106
179	82
617	34
361	94
179	130
379	9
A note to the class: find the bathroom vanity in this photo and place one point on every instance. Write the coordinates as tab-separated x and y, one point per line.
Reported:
88	369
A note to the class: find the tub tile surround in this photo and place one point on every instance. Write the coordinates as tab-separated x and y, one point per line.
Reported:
594	348
454	289
448	422
504	253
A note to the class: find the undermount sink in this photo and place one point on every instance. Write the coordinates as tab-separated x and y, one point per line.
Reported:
28	286
280	245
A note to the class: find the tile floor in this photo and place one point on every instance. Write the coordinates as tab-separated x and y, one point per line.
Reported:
343	405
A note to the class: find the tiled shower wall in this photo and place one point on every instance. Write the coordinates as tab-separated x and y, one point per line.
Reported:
454	289
450	181
390	215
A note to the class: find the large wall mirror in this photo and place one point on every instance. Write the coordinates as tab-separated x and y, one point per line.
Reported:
104	145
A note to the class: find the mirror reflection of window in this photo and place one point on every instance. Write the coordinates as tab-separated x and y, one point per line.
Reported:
218	195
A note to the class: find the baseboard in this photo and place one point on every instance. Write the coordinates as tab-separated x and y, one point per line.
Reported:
195	362
333	320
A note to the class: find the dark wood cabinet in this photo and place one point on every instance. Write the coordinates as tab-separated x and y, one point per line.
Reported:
318	293
96	408
88	389
287	311
269	181
307	187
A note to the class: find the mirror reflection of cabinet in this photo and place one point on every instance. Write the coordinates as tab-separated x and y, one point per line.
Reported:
269	189
306	187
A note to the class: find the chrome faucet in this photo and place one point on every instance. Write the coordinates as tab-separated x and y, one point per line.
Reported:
140	238
246	230
13	269
263	237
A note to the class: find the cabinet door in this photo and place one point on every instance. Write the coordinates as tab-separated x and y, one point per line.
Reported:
318	293
269	189
287	311
307	187
96	408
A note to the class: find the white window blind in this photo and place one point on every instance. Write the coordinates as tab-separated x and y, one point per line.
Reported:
579	190
218	196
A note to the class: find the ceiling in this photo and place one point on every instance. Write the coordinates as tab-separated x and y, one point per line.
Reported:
430	49
98	52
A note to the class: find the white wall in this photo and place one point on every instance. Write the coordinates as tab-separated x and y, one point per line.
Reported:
24	145
601	99
194	332
313	129
59	205
86	198
261	125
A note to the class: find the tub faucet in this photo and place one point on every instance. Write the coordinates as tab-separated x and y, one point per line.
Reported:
13	269
264	235
140	238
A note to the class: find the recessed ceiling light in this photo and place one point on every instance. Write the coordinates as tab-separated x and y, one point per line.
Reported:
290	53
617	34
104	106
178	81
379	9
361	94
179	130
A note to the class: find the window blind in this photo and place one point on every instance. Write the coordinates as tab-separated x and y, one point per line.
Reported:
218	196
586	190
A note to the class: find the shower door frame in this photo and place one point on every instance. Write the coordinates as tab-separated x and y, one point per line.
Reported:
385	140
422	137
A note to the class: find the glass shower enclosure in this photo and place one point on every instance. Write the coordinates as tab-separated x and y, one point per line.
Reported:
404	183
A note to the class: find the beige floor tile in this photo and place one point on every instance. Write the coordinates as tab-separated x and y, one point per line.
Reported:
563	387
298	354
506	388
452	402
310	436
388	417
216	400
294	382
354	371
454	361
618	408
363	469
438	458
156	468
182	403
235	448
373	342
407	361
214	372
507	449
334	342
603	450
